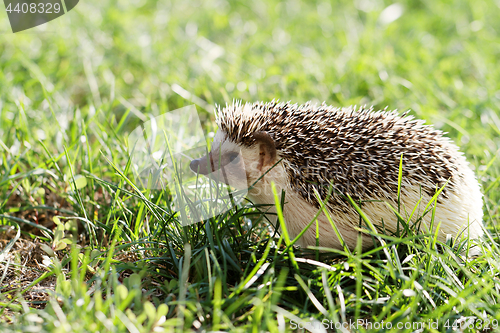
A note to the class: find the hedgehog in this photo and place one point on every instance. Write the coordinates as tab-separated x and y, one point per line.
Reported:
310	151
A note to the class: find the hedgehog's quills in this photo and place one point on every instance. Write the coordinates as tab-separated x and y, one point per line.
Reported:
358	152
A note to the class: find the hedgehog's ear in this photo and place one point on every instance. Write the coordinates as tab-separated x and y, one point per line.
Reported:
267	149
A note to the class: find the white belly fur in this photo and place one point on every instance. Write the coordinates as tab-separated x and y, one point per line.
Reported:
463	206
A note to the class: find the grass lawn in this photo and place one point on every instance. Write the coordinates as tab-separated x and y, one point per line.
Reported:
81	250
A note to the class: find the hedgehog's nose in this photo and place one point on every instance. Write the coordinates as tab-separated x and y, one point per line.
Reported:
199	165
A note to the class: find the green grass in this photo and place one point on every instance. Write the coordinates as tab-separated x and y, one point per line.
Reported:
72	90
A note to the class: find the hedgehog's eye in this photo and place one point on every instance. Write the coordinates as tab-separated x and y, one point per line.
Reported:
233	157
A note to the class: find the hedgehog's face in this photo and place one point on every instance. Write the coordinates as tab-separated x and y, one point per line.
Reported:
235	164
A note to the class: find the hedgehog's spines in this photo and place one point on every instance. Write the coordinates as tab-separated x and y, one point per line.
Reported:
310	135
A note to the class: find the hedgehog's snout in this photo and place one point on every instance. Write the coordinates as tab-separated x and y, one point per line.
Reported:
226	162
199	165
229	168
